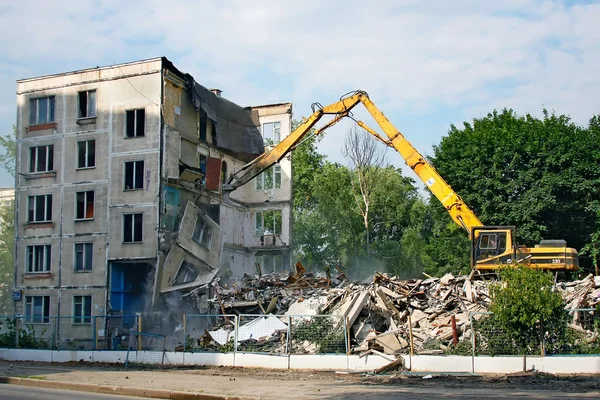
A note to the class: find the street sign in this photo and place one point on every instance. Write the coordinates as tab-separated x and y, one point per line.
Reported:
16	295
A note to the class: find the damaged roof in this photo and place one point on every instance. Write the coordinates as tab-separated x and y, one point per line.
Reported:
235	129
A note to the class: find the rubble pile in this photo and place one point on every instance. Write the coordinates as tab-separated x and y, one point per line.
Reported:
384	314
583	293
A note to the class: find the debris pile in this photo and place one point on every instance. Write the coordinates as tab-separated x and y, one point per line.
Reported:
583	293
384	315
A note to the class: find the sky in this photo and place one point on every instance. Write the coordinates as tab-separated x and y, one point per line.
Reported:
425	64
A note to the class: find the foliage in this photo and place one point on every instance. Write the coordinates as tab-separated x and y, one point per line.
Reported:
321	332
366	160
7	240
28	339
9	144
539	174
525	305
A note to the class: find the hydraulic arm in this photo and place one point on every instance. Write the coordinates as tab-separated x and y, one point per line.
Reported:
491	245
458	210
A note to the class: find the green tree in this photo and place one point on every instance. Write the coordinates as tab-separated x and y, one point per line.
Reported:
539	174
8	157
7	245
526	308
366	160
7	226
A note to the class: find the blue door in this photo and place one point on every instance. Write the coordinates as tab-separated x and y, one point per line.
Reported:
130	287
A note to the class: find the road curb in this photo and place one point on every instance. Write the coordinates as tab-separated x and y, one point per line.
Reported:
118	390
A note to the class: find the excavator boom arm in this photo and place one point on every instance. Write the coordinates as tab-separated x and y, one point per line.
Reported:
458	210
266	160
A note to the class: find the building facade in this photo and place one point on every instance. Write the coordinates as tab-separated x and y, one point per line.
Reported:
118	192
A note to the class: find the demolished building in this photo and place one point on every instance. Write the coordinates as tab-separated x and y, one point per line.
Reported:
118	192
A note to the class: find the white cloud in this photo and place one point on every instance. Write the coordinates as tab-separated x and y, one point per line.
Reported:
415	58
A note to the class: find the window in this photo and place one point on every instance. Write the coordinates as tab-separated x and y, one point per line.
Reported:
40	208
41	111
488	241
37	309
271	133
83	257
270	263
223	172
41	158
132	227
134	175
84	202
187	273
86	154
202	166
82	309
136	123
269	179
87	104
202	233
203	127
268	223
38	258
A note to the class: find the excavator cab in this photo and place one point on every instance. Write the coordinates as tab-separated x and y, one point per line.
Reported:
492	246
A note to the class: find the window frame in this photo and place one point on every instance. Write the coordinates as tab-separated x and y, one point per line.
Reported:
133	241
50	110
262	213
260	183
47	200
276	132
135	163
84	251
30	317
87	153
49	150
32	258
85	193
185	268
260	259
87	101
135	123
85	303
204	237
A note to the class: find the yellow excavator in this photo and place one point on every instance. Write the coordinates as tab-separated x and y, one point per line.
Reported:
491	246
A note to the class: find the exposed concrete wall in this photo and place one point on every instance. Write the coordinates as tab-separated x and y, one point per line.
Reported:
118	89
96	276
143	250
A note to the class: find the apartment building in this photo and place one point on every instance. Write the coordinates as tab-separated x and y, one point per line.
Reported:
118	192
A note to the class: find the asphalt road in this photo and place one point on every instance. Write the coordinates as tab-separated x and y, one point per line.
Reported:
16	392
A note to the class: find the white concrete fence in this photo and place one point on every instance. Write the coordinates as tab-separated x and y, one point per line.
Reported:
580	364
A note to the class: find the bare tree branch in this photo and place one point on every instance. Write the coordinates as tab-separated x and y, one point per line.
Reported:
366	159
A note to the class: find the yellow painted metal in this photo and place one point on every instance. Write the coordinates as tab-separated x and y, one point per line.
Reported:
453	203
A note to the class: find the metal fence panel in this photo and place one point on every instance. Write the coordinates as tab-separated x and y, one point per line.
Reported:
36	334
259	333
74	333
209	332
145	348
111	332
581	336
8	331
318	334
489	339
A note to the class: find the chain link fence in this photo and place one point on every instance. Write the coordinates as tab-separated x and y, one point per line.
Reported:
145	348
319	334
579	333
266	334
286	334
209	332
